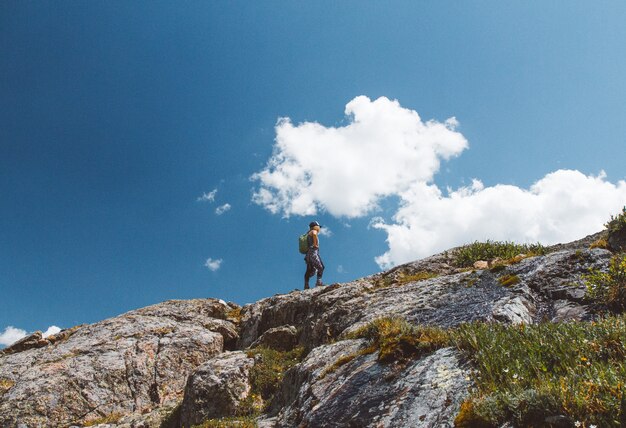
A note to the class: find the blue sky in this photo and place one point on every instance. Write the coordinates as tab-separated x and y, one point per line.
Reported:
115	117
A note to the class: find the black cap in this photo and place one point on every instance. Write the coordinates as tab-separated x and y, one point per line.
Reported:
313	224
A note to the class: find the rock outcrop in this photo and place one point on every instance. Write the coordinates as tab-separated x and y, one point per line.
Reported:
217	388
181	362
133	363
617	240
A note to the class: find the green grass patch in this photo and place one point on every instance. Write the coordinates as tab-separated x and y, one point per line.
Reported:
390	279
525	374
396	339
108	419
238	422
508	280
415	277
498	268
467	255
268	371
609	288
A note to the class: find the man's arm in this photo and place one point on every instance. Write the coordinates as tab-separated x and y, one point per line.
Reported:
316	242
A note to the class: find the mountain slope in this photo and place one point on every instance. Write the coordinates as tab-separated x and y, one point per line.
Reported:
167	365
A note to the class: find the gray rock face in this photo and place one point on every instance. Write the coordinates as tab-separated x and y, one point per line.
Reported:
216	388
365	393
322	314
283	338
133	363
31	341
133	370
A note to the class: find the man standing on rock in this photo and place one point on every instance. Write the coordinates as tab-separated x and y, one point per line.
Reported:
313	261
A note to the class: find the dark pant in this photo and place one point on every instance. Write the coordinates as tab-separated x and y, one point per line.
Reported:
314	265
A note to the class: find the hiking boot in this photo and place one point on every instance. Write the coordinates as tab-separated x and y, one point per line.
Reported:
319	283
306	286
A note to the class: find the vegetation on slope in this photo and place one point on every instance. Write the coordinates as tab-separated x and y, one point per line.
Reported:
467	255
617	223
609	288
269	368
528	374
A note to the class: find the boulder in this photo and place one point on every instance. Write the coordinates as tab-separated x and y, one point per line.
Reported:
617	240
130	364
283	338
481	264
32	341
363	392
217	388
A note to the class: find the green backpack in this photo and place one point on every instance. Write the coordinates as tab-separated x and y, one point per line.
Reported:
303	243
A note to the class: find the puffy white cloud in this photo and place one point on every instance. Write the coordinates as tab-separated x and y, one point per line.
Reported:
11	335
53	329
207	197
212	264
562	206
346	170
222	209
387	150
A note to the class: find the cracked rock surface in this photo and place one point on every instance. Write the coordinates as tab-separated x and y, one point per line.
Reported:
131	371
133	363
365	393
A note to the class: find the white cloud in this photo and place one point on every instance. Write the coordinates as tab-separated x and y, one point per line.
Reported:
562	206
207	197
347	170
325	231
11	335
387	150
53	329
341	269
213	265
222	209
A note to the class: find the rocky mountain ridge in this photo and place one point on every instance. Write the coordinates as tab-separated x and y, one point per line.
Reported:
179	363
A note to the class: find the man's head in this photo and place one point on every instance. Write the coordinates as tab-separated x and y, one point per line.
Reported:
315	225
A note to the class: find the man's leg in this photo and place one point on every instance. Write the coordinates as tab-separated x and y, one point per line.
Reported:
319	266
310	271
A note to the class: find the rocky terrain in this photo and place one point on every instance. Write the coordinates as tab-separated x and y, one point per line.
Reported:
179	363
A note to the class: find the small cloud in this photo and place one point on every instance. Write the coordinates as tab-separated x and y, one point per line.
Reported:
207	197
213	265
341	269
376	222
222	209
53	329
325	231
11	335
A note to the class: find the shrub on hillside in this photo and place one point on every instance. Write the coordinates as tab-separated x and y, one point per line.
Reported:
468	254
609	288
396	339
617	223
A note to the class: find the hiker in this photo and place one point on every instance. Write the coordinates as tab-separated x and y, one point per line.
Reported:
313	261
